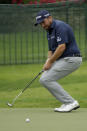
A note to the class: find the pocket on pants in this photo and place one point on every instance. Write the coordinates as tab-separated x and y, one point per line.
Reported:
68	59
74	60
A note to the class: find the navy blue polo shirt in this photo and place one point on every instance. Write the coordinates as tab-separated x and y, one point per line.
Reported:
60	33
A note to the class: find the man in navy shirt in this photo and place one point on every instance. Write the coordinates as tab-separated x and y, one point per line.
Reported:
63	58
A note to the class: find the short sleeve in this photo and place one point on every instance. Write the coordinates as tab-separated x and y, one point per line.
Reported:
62	36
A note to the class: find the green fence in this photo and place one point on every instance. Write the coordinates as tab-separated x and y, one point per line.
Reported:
22	43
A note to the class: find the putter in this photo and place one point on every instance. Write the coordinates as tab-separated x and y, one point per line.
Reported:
27	86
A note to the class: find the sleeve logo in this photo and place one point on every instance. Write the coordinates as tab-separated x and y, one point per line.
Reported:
59	39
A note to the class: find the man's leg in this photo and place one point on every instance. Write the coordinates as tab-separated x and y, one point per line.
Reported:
60	69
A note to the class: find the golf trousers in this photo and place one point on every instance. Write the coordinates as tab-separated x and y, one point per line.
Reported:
60	69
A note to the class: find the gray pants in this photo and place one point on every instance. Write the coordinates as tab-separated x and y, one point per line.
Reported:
60	69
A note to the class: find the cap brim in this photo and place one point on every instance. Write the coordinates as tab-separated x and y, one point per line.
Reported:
39	22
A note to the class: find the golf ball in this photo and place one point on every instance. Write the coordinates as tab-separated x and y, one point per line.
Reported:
27	120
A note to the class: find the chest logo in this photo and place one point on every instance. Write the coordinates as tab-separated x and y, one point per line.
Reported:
52	37
59	39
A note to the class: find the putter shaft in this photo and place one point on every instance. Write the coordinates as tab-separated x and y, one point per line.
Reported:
24	89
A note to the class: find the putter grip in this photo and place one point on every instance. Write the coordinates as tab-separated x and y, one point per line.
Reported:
41	72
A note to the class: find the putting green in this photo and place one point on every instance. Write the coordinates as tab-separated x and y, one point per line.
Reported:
42	119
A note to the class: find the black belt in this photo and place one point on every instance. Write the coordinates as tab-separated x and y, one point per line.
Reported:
71	55
74	55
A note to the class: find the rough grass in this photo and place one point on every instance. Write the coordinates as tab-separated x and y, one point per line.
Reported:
14	78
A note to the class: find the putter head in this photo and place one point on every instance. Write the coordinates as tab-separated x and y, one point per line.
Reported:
10	105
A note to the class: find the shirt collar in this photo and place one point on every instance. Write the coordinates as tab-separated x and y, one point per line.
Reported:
53	24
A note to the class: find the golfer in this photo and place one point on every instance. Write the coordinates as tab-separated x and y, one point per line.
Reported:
63	58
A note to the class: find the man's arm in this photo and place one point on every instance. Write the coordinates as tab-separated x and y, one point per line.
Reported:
52	58
49	55
59	51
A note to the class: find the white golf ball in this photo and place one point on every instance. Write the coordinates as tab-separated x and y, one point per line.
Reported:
27	120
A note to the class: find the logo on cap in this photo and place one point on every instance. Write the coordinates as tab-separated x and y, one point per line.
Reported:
38	17
41	16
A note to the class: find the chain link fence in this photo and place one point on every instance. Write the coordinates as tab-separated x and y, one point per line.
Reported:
22	43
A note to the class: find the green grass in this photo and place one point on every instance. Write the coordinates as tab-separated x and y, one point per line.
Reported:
14	78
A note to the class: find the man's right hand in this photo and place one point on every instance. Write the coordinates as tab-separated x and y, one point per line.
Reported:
47	65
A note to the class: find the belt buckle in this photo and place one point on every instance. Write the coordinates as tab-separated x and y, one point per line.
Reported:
73	55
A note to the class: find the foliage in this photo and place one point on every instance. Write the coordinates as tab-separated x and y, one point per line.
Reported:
33	1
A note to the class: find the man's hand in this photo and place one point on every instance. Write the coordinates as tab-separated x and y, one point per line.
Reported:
47	65
53	57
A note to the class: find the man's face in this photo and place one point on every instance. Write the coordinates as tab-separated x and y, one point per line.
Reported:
46	23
